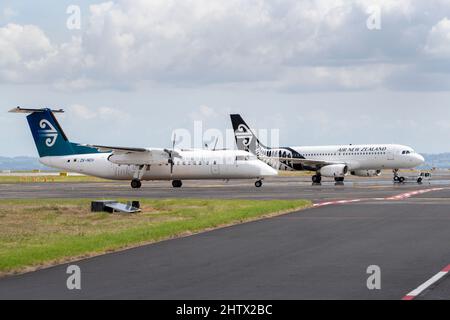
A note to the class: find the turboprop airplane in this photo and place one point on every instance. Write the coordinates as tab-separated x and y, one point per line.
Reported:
329	161
137	164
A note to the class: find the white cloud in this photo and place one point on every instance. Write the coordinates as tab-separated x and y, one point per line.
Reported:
83	112
24	52
438	41
7	14
102	113
298	45
203	113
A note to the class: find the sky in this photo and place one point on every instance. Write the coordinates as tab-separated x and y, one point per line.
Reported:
129	73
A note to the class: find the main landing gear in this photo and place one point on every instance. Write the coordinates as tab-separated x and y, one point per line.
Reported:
177	183
317	179
258	184
136	183
137	176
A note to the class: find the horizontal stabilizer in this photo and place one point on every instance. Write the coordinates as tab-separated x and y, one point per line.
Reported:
29	110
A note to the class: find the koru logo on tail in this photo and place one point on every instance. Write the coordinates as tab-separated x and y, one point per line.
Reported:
48	132
243	133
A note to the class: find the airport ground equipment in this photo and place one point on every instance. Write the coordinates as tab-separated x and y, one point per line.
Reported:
112	206
419	178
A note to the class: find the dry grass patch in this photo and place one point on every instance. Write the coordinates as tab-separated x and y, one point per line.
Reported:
36	233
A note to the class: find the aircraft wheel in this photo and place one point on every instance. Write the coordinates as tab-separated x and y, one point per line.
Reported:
316	179
258	184
396	179
419	181
401	179
339	179
177	183
136	183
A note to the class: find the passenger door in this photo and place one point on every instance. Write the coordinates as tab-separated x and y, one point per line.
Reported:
215	169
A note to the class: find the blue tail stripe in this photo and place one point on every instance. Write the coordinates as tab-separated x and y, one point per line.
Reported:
49	137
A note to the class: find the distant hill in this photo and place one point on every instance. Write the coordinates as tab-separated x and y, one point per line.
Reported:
441	161
21	163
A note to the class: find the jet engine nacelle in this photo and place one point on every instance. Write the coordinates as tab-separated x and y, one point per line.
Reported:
366	173
334	170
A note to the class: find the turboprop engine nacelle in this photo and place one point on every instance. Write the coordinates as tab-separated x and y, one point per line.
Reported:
136	159
366	173
334	170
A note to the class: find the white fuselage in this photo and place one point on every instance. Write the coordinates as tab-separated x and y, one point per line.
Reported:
193	164
358	157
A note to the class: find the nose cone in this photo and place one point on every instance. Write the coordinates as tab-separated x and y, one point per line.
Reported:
266	170
420	160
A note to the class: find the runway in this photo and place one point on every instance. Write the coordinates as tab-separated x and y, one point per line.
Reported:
273	188
319	253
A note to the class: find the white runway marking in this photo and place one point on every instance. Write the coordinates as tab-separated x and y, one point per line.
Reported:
416	292
402	196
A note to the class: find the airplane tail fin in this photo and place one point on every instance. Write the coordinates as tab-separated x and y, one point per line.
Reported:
245	137
48	135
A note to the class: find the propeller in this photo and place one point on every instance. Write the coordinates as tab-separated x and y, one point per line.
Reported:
171	153
216	140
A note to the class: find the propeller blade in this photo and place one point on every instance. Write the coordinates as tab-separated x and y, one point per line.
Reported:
171	152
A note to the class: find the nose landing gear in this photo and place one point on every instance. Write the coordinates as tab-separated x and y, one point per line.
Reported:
397	178
136	183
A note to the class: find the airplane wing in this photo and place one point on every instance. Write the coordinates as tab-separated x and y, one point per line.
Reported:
306	162
116	149
137	156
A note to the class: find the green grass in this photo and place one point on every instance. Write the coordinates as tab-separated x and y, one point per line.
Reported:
35	233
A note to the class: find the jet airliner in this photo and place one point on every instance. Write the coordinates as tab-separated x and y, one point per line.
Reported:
137	164
329	161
